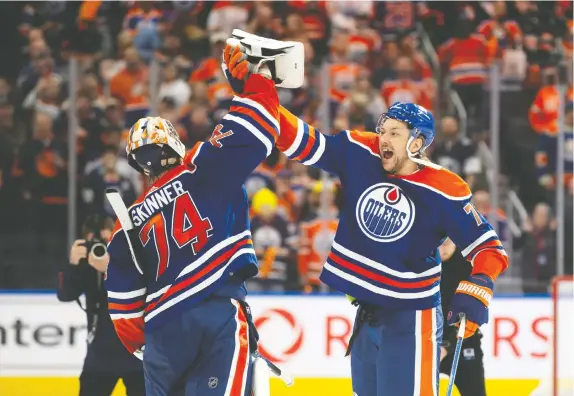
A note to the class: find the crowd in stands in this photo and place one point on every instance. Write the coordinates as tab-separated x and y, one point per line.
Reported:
137	58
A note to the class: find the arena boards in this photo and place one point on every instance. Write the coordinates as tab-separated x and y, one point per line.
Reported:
42	343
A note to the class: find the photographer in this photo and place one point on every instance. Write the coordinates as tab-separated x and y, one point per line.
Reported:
107	360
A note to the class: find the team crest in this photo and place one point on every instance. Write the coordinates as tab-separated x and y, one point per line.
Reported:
385	213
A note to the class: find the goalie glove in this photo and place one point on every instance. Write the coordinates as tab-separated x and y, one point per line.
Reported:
472	298
285	59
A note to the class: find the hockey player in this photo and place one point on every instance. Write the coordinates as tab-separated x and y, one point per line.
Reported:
399	209
188	305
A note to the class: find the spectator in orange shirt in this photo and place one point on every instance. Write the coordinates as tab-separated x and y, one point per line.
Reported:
130	86
403	87
343	72
466	59
543	114
208	68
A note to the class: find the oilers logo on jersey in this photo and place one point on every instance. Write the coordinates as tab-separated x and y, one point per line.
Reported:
385	213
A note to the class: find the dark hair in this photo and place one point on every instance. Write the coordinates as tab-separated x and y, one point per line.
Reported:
96	223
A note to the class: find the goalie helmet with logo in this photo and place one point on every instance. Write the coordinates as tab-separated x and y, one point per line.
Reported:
153	146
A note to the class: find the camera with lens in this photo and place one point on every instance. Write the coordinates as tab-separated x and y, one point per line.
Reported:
96	245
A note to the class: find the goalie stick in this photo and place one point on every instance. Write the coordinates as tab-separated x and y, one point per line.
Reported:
115	199
456	357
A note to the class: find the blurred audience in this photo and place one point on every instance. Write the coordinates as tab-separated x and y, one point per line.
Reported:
271	235
539	250
456	153
135	58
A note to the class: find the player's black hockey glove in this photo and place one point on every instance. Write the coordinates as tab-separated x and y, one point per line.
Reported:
472	298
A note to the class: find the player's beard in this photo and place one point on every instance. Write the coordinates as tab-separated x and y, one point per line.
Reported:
394	164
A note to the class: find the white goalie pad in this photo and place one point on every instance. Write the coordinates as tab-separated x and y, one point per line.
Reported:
288	57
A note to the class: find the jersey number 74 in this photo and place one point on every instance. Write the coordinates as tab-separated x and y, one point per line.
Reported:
188	228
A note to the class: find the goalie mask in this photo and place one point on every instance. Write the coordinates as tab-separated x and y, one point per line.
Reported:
153	146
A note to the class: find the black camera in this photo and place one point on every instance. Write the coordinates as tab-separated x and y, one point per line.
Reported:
96	245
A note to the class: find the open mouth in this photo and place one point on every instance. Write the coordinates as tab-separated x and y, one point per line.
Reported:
387	154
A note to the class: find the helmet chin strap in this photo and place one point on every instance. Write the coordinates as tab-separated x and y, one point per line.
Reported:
418	160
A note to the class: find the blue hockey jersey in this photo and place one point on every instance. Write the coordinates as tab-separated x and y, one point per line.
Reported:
193	221
386	247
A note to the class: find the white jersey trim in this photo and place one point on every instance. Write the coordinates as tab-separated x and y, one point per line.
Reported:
127	316
383	268
478	241
200	261
379	290
319	153
262	109
298	139
253	129
197	288
127	295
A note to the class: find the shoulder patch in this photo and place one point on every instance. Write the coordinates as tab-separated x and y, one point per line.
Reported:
442	181
217	135
366	140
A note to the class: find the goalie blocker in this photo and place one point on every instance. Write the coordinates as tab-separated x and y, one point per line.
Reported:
284	58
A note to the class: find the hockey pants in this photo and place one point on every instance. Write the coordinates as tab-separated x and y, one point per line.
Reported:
396	352
203	352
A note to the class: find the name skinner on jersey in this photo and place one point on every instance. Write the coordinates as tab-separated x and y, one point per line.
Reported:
155	201
385	213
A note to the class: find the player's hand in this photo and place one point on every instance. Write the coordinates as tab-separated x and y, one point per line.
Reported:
78	251
236	62
235	67
100	264
472	298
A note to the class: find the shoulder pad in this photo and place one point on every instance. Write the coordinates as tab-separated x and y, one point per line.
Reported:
366	140
441	181
191	155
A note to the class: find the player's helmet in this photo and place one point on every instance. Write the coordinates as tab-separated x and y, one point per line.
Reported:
152	144
419	120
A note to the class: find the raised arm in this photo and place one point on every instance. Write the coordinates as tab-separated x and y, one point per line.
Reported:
246	135
303	143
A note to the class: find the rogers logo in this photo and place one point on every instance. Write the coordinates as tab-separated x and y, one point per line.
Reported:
286	327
